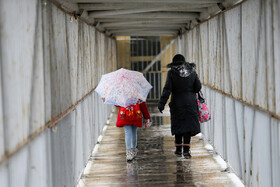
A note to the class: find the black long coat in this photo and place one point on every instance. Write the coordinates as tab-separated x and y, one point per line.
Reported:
183	105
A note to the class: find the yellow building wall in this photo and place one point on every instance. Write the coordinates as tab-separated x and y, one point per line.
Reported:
166	58
124	58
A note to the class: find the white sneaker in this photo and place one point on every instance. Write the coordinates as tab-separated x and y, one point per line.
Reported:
129	155
134	152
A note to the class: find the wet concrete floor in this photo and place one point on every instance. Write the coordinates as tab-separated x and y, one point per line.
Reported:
156	164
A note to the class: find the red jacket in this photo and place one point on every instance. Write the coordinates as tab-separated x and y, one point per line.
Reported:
123	115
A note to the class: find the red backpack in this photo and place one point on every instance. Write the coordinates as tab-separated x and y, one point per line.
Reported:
130	113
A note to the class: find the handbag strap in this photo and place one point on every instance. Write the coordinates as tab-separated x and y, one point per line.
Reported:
200	97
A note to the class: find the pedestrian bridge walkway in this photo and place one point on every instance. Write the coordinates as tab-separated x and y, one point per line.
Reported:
53	54
155	165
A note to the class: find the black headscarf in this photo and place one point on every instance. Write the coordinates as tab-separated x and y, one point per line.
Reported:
180	66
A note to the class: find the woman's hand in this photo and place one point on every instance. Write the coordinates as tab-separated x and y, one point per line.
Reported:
160	107
147	123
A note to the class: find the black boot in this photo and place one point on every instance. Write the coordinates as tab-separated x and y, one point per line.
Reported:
178	151
187	153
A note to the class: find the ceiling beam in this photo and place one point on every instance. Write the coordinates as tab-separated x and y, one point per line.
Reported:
123	12
151	15
150	22
141	29
146	26
116	6
121	6
146	33
128	19
149	1
150	27
141	10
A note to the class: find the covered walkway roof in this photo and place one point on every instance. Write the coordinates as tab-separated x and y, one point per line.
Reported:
145	17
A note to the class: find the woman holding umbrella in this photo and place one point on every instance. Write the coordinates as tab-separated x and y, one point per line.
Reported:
183	82
127	90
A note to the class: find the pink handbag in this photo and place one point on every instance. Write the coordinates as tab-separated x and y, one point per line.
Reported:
203	111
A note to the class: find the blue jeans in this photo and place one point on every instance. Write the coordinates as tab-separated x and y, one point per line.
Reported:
130	136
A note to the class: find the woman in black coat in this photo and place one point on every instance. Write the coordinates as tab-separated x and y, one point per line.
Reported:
183	82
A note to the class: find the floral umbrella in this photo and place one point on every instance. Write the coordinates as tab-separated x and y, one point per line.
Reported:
123	87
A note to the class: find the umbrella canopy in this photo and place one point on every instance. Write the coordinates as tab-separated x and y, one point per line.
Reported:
123	87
